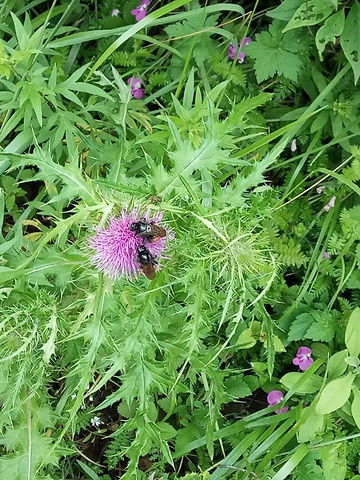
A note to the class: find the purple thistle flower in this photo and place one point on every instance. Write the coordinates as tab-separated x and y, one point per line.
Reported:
303	358
140	11
135	87
274	397
116	246
115	12
327	255
241	55
331	204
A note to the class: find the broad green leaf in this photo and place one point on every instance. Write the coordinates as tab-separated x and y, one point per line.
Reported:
350	39
313	426
337	365
236	387
333	459
276	53
246	339
352	361
332	28
300	326
323	329
311	12
352	333
286	10
355	406
310	385
335	394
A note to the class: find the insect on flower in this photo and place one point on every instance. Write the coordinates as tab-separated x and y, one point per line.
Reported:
116	247
147	262
148	230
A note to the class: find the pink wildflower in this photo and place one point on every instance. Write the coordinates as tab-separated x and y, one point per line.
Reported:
241	55
140	11
303	358
326	255
274	397
320	189
135	87
116	247
115	12
331	204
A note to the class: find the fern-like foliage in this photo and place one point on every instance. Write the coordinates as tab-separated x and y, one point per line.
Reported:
123	59
289	253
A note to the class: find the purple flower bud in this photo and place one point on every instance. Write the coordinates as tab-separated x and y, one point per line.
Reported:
303	358
115	12
326	255
140	11
274	397
331	204
241	55
320	189
135	87
116	247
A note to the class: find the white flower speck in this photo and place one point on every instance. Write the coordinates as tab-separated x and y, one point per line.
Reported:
95	421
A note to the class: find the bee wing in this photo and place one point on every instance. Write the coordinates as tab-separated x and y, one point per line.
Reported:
149	270
156	231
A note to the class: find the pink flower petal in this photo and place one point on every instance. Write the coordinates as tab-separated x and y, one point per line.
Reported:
274	397
305	364
304	351
138	93
282	410
116	246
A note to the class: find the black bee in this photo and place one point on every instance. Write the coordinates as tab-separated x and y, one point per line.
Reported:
150	231
147	262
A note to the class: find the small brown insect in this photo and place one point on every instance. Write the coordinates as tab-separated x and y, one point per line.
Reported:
155	199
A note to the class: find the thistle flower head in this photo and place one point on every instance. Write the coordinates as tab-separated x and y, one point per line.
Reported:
116	246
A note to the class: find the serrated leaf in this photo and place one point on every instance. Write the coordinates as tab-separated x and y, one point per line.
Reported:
236	387
350	39
323	329
300	326
276	53
335	394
